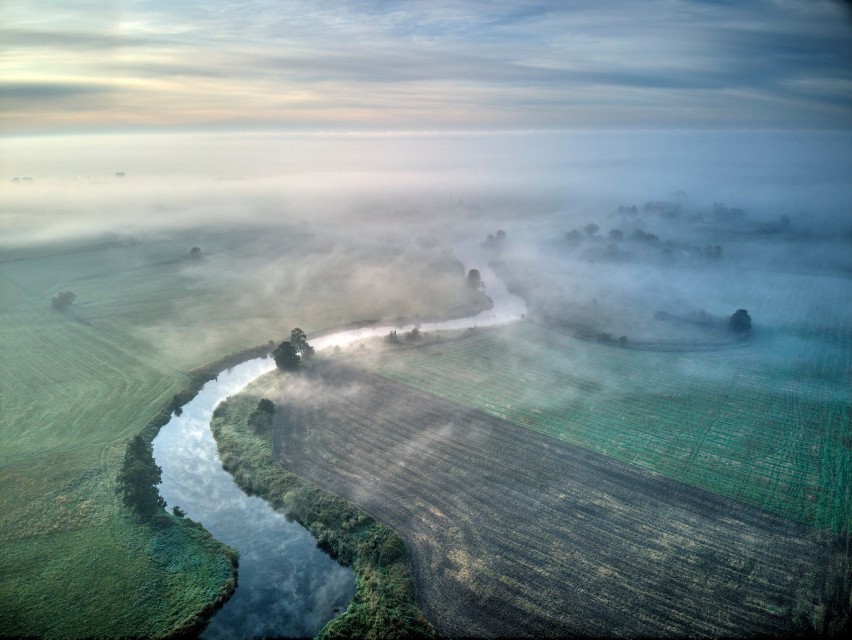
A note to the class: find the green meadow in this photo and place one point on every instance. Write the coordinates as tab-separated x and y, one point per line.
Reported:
767	423
77	384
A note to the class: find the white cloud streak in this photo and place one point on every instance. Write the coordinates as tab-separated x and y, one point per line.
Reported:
418	65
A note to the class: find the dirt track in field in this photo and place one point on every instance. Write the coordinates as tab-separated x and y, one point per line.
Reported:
512	533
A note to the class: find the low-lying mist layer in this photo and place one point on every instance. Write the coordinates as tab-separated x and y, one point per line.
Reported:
128	260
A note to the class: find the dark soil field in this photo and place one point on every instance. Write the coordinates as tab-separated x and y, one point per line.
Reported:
513	533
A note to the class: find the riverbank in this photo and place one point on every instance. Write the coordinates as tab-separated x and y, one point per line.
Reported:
167	526
384	603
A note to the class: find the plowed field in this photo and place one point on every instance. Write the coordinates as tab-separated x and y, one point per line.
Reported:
512	532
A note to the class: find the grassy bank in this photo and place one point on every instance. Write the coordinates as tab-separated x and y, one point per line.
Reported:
384	605
511	532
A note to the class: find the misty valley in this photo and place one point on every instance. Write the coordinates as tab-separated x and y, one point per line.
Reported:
653	441
450	319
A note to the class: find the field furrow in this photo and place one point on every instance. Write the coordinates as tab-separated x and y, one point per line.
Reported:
515	533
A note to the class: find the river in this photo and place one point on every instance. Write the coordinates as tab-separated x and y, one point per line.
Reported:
287	587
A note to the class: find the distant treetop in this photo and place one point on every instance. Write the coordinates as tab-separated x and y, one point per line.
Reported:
63	300
740	322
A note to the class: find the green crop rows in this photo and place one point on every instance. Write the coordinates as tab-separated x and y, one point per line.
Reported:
771	431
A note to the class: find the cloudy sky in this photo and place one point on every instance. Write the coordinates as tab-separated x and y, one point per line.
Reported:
430	65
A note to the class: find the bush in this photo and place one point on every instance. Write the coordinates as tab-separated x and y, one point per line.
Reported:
63	300
740	322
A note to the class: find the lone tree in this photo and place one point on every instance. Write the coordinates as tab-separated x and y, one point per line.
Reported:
62	300
591	229
195	253
300	342
740	322
474	279
286	356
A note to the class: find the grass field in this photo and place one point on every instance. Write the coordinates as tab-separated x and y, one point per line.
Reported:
768	423
76	385
514	533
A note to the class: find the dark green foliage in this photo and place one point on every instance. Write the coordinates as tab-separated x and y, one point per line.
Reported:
413	335
740	321
138	479
63	300
286	357
300	342
591	229
384	604
261	418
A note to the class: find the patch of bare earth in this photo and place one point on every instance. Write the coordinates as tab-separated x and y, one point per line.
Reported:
512	533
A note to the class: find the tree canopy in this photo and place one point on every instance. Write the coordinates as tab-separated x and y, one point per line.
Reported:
740	321
138	479
286	357
474	279
299	340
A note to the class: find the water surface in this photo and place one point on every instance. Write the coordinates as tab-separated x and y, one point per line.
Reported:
287	587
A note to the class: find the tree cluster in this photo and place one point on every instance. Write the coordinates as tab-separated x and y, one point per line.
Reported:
63	300
290	353
495	241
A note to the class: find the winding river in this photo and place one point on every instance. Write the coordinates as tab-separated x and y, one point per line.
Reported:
287	587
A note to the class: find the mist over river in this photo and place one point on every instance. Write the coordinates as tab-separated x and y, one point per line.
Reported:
287	586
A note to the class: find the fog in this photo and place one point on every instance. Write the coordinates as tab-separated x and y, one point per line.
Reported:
369	222
57	186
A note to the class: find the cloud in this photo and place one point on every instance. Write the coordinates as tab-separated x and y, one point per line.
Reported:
399	65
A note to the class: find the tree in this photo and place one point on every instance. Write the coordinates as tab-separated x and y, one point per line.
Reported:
392	338
616	235
286	357
299	340
591	229
63	300
740	322
474	279
195	253
138	479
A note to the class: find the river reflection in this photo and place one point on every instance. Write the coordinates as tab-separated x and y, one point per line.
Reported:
287	587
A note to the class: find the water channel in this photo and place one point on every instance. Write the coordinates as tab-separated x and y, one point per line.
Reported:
287	587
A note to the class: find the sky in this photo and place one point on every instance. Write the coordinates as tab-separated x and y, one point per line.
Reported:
436	65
